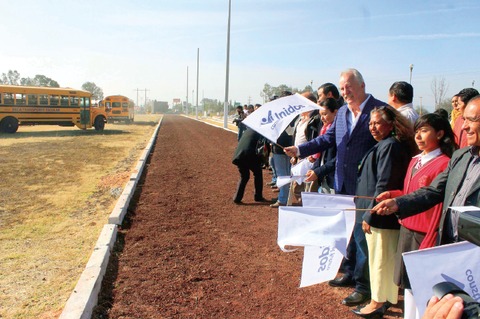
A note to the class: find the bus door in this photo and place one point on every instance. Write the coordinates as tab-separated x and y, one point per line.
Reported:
85	112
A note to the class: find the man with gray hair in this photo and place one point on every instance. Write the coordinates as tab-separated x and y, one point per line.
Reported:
350	133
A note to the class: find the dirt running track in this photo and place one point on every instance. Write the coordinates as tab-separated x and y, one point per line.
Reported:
186	251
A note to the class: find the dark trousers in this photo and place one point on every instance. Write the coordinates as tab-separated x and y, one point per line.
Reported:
244	169
356	263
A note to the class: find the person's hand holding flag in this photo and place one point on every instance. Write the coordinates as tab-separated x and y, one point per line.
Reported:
385	207
291	151
311	176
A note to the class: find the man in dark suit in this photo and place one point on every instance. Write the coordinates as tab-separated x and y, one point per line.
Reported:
246	159
350	133
458	185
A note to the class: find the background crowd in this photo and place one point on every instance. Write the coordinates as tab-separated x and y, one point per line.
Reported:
395	162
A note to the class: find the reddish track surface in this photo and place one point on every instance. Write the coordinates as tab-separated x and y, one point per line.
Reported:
186	251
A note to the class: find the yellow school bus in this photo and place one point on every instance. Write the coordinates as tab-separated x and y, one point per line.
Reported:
119	108
31	105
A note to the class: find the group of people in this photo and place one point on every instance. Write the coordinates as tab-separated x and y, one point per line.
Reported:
397	164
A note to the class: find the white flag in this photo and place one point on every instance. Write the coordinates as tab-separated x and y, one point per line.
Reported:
283	180
300	170
328	201
305	226
273	117
458	263
320	264
323	228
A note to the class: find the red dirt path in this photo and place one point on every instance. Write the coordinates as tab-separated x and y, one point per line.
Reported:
186	251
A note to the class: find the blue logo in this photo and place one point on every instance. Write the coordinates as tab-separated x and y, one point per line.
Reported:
278	116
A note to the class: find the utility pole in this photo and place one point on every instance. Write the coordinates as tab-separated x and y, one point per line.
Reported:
420	106
198	66
145	103
411	69
186	104
227	76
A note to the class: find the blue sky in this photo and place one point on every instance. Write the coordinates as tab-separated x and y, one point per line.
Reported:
125	45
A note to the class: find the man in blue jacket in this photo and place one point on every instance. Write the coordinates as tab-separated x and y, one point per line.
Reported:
350	133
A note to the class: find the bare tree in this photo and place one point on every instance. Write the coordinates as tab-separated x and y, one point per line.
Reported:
439	89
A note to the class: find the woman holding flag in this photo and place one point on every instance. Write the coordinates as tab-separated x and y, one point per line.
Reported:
383	168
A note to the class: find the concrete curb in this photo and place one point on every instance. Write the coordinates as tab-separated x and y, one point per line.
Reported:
84	297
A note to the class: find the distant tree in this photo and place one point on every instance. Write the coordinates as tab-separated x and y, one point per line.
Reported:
439	89
11	77
267	92
97	92
308	88
445	104
39	80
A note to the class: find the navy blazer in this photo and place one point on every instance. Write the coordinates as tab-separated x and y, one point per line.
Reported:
351	148
327	170
443	188
382	169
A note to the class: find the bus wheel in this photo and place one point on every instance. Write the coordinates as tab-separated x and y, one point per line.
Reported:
9	125
99	123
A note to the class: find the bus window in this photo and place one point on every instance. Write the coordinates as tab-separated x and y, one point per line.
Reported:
8	98
32	99
125	105
54	100
116	104
20	99
43	99
64	100
73	101
84	102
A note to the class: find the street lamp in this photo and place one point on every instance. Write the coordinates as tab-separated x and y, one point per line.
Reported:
411	69
311	85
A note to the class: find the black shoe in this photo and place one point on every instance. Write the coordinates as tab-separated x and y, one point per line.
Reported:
374	314
386	305
355	299
262	200
342	281
238	202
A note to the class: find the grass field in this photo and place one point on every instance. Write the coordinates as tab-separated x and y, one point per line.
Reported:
57	188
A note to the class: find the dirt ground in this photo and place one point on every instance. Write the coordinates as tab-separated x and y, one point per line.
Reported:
186	251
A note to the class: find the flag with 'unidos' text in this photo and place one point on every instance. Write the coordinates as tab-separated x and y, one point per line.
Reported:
272	118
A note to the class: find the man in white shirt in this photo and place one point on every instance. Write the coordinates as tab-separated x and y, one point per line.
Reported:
400	96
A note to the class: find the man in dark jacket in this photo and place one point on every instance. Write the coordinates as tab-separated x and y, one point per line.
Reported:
246	159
